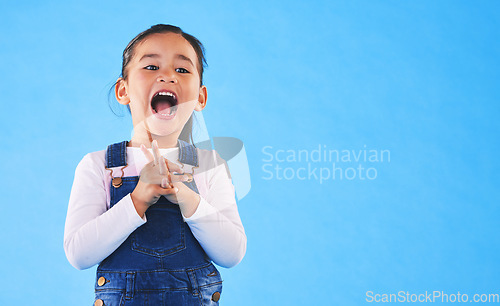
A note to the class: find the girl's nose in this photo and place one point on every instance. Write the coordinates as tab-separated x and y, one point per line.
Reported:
166	79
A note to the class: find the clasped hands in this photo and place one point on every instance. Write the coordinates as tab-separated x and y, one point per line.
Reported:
161	177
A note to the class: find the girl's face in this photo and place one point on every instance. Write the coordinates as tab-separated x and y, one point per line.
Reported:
163	85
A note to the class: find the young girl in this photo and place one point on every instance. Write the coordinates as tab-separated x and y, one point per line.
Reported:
154	212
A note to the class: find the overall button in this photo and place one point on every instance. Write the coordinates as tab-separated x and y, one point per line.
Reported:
101	281
99	302
117	182
216	296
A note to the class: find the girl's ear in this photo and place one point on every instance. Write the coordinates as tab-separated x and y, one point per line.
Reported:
202	99
121	92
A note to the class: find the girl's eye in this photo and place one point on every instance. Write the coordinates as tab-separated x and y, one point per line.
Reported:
151	67
182	70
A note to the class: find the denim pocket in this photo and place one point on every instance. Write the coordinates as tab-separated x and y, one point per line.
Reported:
163	233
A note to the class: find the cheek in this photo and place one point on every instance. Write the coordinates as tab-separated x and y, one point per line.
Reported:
188	104
186	108
193	88
139	83
141	77
138	90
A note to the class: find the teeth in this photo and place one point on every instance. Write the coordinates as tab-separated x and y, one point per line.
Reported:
163	93
170	112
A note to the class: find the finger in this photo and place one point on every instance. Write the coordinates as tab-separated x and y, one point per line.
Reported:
158	159
169	174
146	153
165	191
164	183
156	152
163	166
184	177
173	167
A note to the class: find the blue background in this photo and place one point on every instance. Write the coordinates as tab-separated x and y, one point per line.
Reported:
418	78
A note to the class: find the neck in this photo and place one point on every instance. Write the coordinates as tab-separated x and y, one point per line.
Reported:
143	136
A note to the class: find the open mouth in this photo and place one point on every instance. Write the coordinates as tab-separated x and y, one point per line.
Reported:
164	104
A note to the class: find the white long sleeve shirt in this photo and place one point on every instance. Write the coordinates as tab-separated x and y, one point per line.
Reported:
93	231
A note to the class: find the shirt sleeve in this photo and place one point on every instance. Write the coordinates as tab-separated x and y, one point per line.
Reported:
92	232
216	223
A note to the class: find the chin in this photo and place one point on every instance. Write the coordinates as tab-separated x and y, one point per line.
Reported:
160	127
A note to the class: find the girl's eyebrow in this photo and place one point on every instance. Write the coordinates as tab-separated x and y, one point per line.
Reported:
184	58
149	56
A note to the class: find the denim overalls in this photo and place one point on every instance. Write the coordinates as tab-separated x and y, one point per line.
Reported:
161	262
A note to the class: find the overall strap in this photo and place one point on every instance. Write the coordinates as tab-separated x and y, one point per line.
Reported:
116	155
187	153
